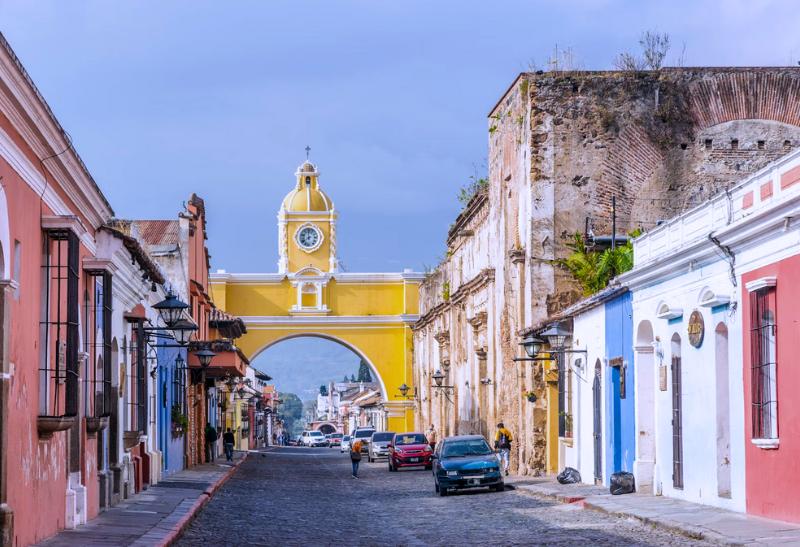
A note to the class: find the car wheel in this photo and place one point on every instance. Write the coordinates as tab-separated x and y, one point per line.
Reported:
499	487
442	492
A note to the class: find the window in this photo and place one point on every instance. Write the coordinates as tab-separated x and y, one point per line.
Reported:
138	379
97	343
763	354
58	327
564	398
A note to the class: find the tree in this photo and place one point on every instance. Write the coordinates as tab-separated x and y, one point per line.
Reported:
654	49
323	390
364	375
345	379
353	378
290	411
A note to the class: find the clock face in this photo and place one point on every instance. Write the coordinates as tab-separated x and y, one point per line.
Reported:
308	237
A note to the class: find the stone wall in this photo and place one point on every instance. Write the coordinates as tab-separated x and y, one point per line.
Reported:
560	146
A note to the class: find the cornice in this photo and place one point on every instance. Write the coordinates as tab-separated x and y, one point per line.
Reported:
340	277
279	320
32	117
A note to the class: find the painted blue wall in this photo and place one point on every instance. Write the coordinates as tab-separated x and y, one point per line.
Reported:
620	413
172	448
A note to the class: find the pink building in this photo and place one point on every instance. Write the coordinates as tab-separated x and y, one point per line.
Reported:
57	263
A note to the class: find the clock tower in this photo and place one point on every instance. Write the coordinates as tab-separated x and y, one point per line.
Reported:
307	227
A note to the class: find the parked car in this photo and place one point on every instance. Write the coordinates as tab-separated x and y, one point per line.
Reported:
363	434
313	438
335	439
409	450
466	461
345	445
379	445
296	441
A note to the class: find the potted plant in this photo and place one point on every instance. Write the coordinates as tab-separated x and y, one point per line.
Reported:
179	421
530	395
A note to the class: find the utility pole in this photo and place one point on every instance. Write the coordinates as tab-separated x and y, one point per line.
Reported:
613	222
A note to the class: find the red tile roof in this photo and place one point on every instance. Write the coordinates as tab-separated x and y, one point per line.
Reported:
158	232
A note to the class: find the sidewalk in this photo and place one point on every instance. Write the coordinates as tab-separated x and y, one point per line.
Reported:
155	516
690	519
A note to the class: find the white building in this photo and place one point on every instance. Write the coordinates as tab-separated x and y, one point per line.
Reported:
687	302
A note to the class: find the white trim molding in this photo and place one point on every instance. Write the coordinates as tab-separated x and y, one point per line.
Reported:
99	264
664	311
766	444
709	299
287	320
761	283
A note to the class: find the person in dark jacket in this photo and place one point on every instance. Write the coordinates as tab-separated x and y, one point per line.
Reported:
227	440
211	439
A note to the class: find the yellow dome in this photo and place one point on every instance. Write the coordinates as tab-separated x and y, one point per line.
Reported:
307	195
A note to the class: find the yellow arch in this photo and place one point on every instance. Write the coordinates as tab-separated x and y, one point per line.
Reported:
370	314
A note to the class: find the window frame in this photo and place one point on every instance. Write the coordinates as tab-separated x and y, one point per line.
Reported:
764	364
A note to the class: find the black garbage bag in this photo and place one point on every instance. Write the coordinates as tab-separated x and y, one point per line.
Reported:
622	482
569	475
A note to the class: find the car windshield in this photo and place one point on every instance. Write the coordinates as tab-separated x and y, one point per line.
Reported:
336	435
476	447
316	434
382	437
346	438
364	434
411	438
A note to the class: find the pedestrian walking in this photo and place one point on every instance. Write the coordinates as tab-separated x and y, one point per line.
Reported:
227	440
431	436
211	439
355	457
502	442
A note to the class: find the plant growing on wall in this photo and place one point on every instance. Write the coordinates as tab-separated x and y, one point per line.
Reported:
446	291
593	270
180	423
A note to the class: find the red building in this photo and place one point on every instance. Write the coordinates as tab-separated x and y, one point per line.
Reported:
771	383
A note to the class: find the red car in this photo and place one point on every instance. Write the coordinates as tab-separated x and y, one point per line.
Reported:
409	450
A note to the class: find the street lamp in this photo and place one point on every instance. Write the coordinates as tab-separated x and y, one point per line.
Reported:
438	380
532	345
170	309
438	377
556	336
205	356
404	389
182	330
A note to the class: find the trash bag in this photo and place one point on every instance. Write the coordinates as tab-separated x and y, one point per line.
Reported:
569	476
622	482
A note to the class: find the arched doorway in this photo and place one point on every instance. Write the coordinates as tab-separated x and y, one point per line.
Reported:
722	411
645	407
597	421
327	428
677	414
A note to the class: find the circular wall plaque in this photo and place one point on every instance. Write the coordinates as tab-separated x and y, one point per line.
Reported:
696	329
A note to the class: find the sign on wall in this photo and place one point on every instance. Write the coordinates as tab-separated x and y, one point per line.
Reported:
696	329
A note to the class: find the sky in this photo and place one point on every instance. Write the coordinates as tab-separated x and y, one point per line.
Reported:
163	99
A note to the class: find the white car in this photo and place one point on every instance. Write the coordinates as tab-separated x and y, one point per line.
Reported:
313	438
345	446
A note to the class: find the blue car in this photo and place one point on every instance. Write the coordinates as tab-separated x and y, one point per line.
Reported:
466	461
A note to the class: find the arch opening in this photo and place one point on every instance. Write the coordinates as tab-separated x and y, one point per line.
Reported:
326	383
645	375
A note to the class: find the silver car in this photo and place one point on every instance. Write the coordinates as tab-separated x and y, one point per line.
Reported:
379	445
345	446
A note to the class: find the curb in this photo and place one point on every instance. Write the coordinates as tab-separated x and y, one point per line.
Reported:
177	529
691	532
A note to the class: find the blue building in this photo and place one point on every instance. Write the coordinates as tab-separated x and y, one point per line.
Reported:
171	404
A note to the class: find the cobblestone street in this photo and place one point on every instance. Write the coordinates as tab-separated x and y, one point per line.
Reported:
303	496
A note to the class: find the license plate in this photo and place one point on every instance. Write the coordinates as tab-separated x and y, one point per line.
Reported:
475	481
413	460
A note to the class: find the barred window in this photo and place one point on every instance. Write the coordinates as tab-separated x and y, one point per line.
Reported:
564	397
763	336
58	327
97	344
138	379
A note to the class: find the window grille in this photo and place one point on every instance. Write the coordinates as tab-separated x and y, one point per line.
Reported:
763	348
138	379
59	370
97	344
179	387
564	398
